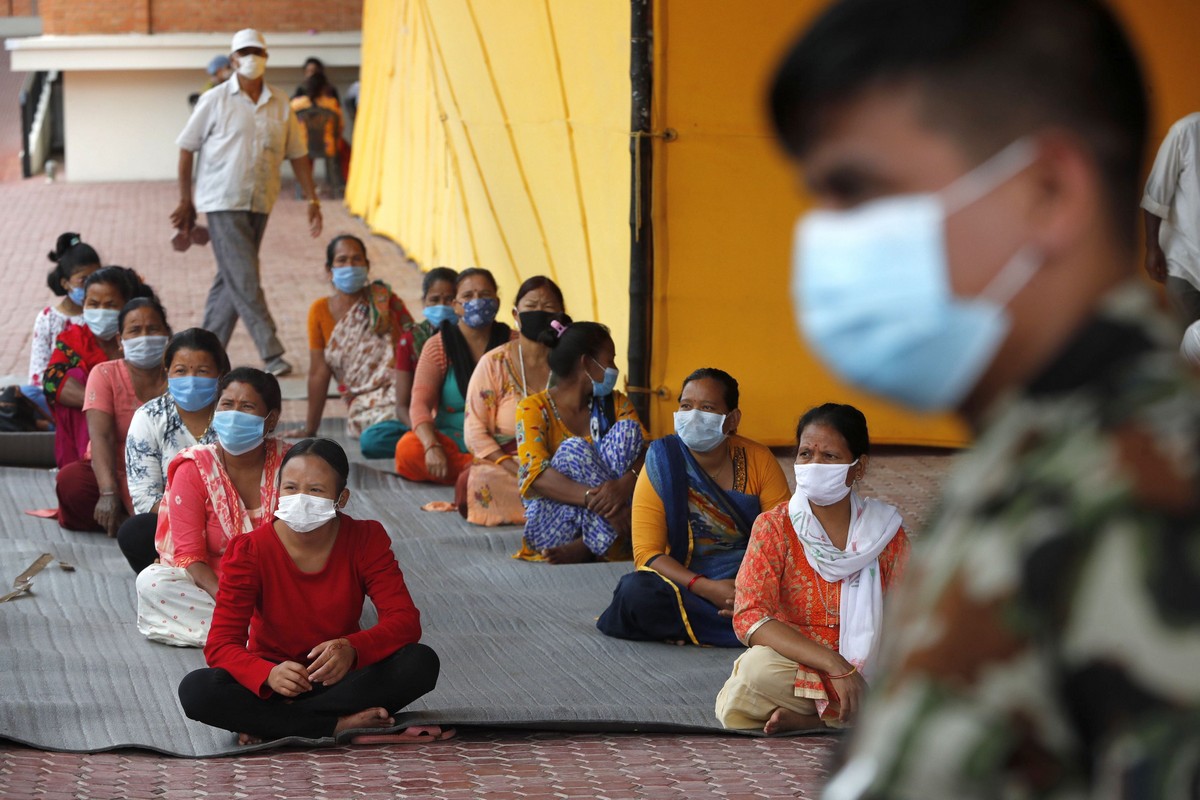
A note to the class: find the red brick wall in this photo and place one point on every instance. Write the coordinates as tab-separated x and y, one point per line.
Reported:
65	17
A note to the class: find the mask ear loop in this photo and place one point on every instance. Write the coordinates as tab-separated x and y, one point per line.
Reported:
989	176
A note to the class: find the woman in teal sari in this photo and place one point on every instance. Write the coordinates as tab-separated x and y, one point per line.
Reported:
693	508
435	451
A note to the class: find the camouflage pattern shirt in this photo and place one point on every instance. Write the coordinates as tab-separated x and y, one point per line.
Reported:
1047	639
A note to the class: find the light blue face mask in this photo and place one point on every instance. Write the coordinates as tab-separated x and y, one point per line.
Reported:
191	392
605	387
237	431
872	291
77	295
349	280
439	314
102	321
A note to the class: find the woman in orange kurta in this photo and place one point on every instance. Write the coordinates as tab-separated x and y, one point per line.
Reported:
809	594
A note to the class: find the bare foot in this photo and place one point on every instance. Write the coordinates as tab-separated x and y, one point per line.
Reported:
574	552
245	739
367	718
784	721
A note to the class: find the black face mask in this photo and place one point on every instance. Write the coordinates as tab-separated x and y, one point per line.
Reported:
534	322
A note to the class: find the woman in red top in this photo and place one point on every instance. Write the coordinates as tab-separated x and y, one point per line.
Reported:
297	585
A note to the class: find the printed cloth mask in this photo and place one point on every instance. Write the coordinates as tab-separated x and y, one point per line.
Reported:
77	294
439	314
349	280
252	67
700	430
480	311
192	393
605	387
102	321
872	291
237	431
534	323
823	484
145	352
305	512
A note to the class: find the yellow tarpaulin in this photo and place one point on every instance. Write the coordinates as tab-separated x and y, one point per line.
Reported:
496	134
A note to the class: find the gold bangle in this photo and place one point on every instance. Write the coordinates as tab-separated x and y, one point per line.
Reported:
312	201
853	669
502	459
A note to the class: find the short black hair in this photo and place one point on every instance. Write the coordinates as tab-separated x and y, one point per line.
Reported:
124	280
540	282
70	254
722	377
575	339
438	274
201	340
471	272
845	419
328	451
988	71
264	383
143	302
331	248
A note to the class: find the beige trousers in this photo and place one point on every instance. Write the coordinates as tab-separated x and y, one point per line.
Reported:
762	681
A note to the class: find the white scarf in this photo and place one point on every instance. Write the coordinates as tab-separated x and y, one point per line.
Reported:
872	526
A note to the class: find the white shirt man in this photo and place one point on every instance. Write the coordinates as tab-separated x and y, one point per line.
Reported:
1171	212
243	130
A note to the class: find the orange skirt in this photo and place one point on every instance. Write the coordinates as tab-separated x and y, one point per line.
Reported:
410	459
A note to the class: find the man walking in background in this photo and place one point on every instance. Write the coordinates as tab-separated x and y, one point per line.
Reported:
1171	212
243	130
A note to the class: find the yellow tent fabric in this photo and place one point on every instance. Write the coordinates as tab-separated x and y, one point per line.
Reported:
497	134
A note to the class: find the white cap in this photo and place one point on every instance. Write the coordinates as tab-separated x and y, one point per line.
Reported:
1190	347
247	37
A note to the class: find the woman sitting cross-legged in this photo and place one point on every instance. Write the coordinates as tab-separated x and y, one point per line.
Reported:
162	428
352	337
93	494
811	590
214	493
295	586
579	444
693	508
434	450
504	377
437	300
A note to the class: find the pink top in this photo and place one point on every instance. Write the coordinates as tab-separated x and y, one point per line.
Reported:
492	398
427	381
110	389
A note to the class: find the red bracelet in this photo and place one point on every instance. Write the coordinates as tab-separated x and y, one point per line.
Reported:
695	578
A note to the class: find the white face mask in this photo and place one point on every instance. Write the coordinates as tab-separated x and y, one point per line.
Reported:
145	352
305	512
873	295
823	484
700	430
251	67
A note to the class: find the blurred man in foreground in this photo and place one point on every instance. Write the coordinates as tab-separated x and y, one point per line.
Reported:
977	163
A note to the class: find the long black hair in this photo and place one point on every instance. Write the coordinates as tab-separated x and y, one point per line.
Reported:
70	254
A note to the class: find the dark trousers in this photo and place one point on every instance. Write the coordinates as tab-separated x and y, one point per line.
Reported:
136	539
213	697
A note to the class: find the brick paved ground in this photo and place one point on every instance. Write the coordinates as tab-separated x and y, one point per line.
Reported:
127	224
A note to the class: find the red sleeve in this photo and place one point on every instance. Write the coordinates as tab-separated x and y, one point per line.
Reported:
236	599
399	620
187	502
894	559
427	382
405	362
756	593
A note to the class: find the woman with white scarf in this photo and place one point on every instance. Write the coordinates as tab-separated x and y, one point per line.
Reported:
809	596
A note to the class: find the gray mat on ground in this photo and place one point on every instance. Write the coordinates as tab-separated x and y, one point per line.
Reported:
517	641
